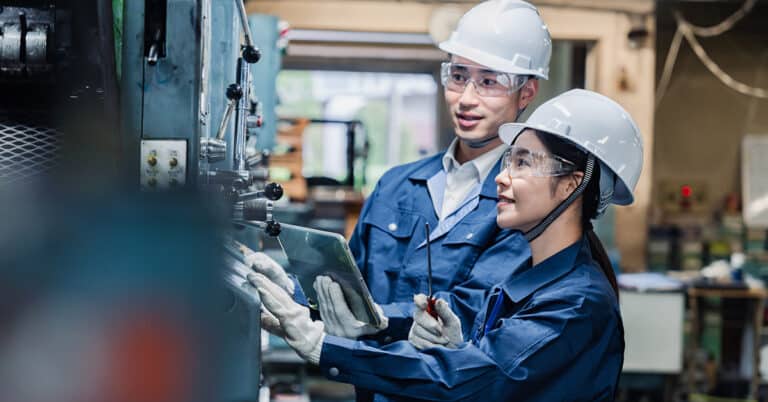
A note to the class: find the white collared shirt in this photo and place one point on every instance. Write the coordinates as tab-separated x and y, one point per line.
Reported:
461	179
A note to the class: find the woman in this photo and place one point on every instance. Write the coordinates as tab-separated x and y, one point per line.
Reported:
551	330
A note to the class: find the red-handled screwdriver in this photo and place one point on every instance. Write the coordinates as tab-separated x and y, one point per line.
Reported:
431	310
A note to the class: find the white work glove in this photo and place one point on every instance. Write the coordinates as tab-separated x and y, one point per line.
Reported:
428	332
338	317
289	320
268	267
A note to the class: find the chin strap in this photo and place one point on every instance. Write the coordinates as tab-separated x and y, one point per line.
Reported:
480	143
537	230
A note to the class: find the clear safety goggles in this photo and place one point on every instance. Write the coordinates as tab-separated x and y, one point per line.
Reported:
520	162
455	77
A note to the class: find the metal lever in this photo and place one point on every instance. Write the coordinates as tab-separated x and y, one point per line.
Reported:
251	53
272	192
234	94
272	227
215	149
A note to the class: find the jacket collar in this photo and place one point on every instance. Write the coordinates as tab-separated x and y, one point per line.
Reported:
527	279
429	168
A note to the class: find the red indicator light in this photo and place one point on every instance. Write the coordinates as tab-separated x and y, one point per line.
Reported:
686	191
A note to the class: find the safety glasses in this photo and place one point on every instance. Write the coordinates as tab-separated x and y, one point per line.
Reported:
455	77
520	162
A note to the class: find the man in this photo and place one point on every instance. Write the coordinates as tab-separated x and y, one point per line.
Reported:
499	51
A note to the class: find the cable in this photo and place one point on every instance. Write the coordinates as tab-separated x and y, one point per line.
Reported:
669	65
689	31
727	23
724	77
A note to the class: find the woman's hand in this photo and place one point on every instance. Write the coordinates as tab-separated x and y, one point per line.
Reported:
428	331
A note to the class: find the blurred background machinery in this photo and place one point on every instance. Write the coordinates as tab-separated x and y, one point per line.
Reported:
152	105
55	57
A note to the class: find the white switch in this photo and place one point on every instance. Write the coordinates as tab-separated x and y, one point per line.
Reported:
163	164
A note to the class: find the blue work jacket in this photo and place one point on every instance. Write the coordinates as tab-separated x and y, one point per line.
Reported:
556	335
467	247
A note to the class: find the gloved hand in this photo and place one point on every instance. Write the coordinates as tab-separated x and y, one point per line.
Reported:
289	320
428	332
338	317
268	267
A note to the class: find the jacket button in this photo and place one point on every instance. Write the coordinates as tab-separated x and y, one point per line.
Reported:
333	371
392	226
470	235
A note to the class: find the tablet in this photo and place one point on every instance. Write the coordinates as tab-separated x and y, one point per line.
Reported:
312	253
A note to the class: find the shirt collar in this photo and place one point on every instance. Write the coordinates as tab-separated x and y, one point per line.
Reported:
526	279
483	164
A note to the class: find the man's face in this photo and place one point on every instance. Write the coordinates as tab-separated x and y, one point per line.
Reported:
478	117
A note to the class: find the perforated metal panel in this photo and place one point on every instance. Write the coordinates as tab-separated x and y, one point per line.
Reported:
28	148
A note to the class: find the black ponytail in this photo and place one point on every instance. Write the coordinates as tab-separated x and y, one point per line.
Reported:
590	201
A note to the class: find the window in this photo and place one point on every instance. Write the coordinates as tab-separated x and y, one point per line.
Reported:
398	112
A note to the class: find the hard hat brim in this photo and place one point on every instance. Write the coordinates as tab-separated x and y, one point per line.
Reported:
489	60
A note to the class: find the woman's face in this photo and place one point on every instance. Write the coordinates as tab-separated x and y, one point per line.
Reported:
525	200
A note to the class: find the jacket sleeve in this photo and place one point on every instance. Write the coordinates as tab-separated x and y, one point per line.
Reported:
400	369
529	357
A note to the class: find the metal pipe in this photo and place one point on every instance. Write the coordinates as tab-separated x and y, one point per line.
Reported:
240	157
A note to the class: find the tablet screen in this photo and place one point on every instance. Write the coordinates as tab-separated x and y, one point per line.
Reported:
312	252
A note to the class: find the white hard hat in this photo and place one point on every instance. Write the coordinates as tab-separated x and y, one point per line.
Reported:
503	35
597	125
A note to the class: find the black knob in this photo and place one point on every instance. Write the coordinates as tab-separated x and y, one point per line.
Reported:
273	191
251	54
234	92
273	228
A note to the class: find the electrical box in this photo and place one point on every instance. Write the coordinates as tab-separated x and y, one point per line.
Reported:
754	181
163	164
653	331
683	196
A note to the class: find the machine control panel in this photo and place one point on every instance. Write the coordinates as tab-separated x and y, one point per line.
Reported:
163	164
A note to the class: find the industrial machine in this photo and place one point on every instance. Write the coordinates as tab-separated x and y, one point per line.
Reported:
172	95
56	60
192	118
